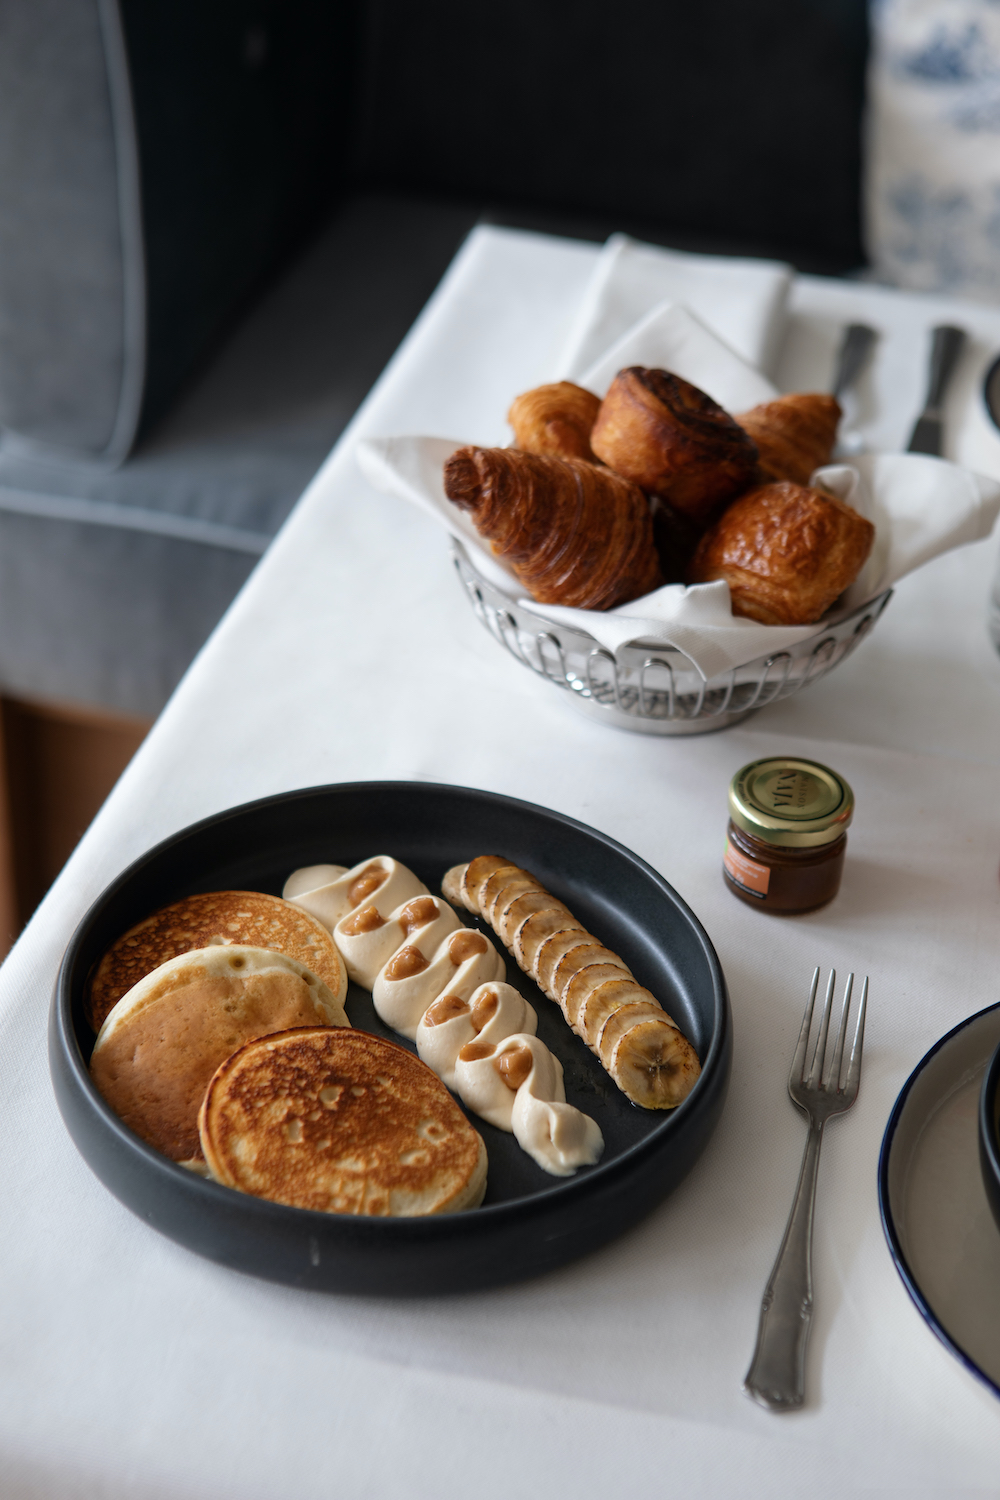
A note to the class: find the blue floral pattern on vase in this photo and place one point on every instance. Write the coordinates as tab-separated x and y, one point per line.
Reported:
933	168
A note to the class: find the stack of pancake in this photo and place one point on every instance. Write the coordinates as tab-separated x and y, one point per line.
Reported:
223	1042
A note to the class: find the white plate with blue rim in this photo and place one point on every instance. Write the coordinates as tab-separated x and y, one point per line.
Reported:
935	1212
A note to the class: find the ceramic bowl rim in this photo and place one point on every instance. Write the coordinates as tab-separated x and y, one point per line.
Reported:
885	1211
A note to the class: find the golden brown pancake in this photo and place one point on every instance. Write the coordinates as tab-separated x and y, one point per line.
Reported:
343	1122
247	918
162	1042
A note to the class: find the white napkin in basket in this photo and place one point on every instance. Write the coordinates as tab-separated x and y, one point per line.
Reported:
920	506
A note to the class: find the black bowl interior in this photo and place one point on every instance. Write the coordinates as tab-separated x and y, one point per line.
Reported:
429	828
989	1134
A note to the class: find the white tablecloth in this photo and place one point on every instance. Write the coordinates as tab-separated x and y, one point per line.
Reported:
131	1368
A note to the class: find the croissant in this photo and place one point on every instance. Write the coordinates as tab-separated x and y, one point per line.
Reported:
786	552
673	441
555	419
572	533
648	1057
794	434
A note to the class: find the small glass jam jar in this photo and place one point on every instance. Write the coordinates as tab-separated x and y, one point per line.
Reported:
787	834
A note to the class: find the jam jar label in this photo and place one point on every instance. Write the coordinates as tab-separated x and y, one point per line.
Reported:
746	872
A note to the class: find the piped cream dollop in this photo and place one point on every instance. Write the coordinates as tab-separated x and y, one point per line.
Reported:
442	985
518	1085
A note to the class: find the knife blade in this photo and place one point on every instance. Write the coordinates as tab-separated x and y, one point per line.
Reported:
928	432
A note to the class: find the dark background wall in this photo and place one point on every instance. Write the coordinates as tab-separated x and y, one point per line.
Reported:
734	120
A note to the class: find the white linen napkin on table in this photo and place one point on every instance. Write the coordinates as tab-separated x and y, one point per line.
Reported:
920	506
743	301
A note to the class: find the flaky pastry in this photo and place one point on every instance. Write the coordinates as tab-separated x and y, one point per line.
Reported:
787	552
794	434
674	441
573	533
555	420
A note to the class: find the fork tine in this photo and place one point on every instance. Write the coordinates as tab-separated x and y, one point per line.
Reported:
833	1079
798	1072
816	1071
854	1065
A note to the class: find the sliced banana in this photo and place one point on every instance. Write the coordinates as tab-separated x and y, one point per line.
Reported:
654	1064
533	931
646	1054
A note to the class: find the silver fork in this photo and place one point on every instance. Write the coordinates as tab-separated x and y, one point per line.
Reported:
776	1377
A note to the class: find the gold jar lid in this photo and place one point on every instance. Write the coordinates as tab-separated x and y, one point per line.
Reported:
796	803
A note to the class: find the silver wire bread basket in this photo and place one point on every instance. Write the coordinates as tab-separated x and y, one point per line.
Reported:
649	687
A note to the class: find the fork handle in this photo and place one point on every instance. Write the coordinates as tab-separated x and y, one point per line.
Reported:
776	1377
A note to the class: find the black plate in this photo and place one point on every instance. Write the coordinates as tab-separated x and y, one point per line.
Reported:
530	1222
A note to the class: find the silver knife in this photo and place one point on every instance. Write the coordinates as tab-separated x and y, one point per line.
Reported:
852	356
928	434
855	348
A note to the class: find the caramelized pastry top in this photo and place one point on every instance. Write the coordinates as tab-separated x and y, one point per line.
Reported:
573	533
555	419
674	441
786	552
794	434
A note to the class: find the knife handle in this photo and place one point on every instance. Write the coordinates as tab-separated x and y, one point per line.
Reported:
854	350
946	346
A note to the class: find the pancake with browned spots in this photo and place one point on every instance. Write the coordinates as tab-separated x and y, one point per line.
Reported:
162	1042
246	918
343	1122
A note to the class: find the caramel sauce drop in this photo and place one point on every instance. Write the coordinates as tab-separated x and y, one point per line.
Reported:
515	1065
446	1008
405	964
418	913
485	1009
466	945
366	883
368	919
476	1051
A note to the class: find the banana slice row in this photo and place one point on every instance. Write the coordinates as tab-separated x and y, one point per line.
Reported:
441	985
644	1051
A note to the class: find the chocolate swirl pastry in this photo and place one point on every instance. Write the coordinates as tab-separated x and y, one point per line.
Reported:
794	434
572	533
672	440
555	419
786	552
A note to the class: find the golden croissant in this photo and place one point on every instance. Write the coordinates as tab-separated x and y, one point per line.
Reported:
673	441
786	552
794	434
646	1054
555	419
571	532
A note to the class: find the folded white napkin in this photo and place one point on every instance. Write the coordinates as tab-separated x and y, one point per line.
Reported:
920	506
743	301
673	332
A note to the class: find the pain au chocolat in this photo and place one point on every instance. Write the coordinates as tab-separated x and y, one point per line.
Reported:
340	1122
794	434
672	440
572	533
555	420
786	551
